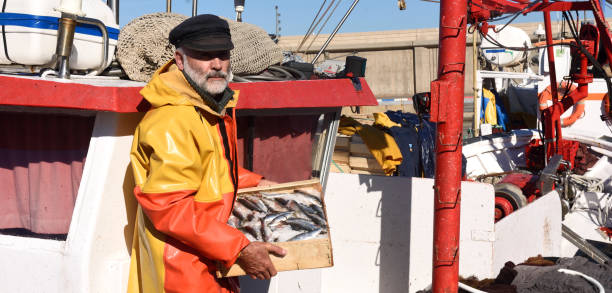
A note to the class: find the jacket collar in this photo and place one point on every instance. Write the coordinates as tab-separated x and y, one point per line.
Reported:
168	86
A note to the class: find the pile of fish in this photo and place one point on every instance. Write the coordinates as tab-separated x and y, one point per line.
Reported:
280	217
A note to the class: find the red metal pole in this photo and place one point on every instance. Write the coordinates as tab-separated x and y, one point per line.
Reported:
447	99
550	51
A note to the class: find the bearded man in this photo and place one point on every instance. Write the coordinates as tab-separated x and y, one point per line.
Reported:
186	172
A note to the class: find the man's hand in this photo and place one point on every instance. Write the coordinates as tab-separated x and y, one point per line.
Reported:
255	261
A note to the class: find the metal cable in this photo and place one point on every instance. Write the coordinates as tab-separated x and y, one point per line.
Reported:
323	25
310	28
321	18
517	14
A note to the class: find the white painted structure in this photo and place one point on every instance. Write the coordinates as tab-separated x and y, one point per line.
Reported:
95	255
382	234
33	38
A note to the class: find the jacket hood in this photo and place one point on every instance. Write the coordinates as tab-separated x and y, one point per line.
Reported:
168	86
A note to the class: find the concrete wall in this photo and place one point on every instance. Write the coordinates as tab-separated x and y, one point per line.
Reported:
400	63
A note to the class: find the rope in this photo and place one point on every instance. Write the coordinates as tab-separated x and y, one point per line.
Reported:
337	166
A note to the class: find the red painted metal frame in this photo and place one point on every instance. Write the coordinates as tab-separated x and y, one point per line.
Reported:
17	91
447	111
447	103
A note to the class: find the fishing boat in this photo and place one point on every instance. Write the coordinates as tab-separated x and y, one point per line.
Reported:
69	209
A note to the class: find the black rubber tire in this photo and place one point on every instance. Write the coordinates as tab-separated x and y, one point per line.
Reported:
512	193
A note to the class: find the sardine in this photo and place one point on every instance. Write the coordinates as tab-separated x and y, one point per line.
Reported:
260	206
266	231
295	207
284	233
254	228
271	217
306	235
305	209
250	237
278	218
302	224
319	210
312	214
283	200
248	204
240	211
273	205
318	220
310	196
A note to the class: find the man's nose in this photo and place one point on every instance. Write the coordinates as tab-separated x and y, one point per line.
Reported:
216	63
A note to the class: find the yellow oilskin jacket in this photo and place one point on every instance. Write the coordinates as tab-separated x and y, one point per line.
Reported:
185	169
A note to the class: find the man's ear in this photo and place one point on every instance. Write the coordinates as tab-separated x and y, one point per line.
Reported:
178	59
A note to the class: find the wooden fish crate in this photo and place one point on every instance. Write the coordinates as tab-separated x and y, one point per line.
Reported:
304	254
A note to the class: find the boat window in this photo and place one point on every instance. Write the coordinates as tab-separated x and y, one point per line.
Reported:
278	147
41	164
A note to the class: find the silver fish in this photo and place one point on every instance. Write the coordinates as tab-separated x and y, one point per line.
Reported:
302	224
283	200
280	218
306	235
293	206
240	211
266	232
254	228
273	205
271	217
318	220
319	210
310	196
260	206
248	204
305	209
284	233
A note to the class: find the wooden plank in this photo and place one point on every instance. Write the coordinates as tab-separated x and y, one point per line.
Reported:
305	254
282	186
341	157
342	142
367	164
339	168
360	150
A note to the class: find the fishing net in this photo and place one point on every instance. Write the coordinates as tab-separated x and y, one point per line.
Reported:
143	46
253	51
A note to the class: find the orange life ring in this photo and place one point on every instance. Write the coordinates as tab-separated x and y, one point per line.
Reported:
545	100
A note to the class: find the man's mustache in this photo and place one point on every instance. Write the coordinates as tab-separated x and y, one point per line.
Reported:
216	73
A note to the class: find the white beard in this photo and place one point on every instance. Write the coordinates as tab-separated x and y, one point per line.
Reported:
213	87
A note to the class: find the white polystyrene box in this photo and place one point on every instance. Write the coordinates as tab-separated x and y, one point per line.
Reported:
29	44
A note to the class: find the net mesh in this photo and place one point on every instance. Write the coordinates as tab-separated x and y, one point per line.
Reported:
143	46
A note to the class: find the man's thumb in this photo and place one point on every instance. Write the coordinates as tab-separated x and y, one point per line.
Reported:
276	250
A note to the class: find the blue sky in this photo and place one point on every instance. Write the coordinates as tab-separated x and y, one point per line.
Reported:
296	16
